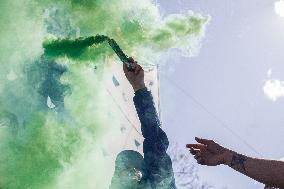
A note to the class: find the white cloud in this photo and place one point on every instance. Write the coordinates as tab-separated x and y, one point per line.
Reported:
274	89
279	8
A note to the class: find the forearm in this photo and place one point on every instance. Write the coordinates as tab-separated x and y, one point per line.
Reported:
156	142
269	172
147	113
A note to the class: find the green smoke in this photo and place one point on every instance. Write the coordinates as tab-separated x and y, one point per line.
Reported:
52	114
74	48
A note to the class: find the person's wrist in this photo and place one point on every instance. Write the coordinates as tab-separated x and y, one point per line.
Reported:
136	87
227	158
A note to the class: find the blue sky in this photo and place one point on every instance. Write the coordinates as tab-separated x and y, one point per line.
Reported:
219	94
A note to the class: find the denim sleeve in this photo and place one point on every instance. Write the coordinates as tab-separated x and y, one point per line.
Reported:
158	163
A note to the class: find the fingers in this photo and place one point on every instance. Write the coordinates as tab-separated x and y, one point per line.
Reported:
196	146
203	141
138	68
193	151
135	65
132	62
206	152
198	158
200	161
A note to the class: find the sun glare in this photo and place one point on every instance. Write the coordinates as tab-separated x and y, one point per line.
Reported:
279	8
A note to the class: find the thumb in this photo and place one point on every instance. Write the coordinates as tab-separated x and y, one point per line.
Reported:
203	141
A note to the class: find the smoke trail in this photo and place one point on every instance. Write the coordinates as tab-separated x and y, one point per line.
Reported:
136	26
75	48
72	48
51	115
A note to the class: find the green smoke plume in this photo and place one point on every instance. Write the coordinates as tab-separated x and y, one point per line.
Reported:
75	48
52	114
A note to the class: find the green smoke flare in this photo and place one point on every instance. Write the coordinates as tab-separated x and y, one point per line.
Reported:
53	114
75	48
71	48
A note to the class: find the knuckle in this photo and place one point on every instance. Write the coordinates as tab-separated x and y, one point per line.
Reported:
211	143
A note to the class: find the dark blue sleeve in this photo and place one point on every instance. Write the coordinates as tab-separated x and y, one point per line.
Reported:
158	163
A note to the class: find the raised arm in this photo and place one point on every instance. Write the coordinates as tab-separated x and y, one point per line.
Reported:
269	172
144	104
158	163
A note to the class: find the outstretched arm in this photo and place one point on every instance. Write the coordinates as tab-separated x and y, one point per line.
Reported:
158	163
269	172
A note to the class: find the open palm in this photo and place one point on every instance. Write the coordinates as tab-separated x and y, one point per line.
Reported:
208	152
